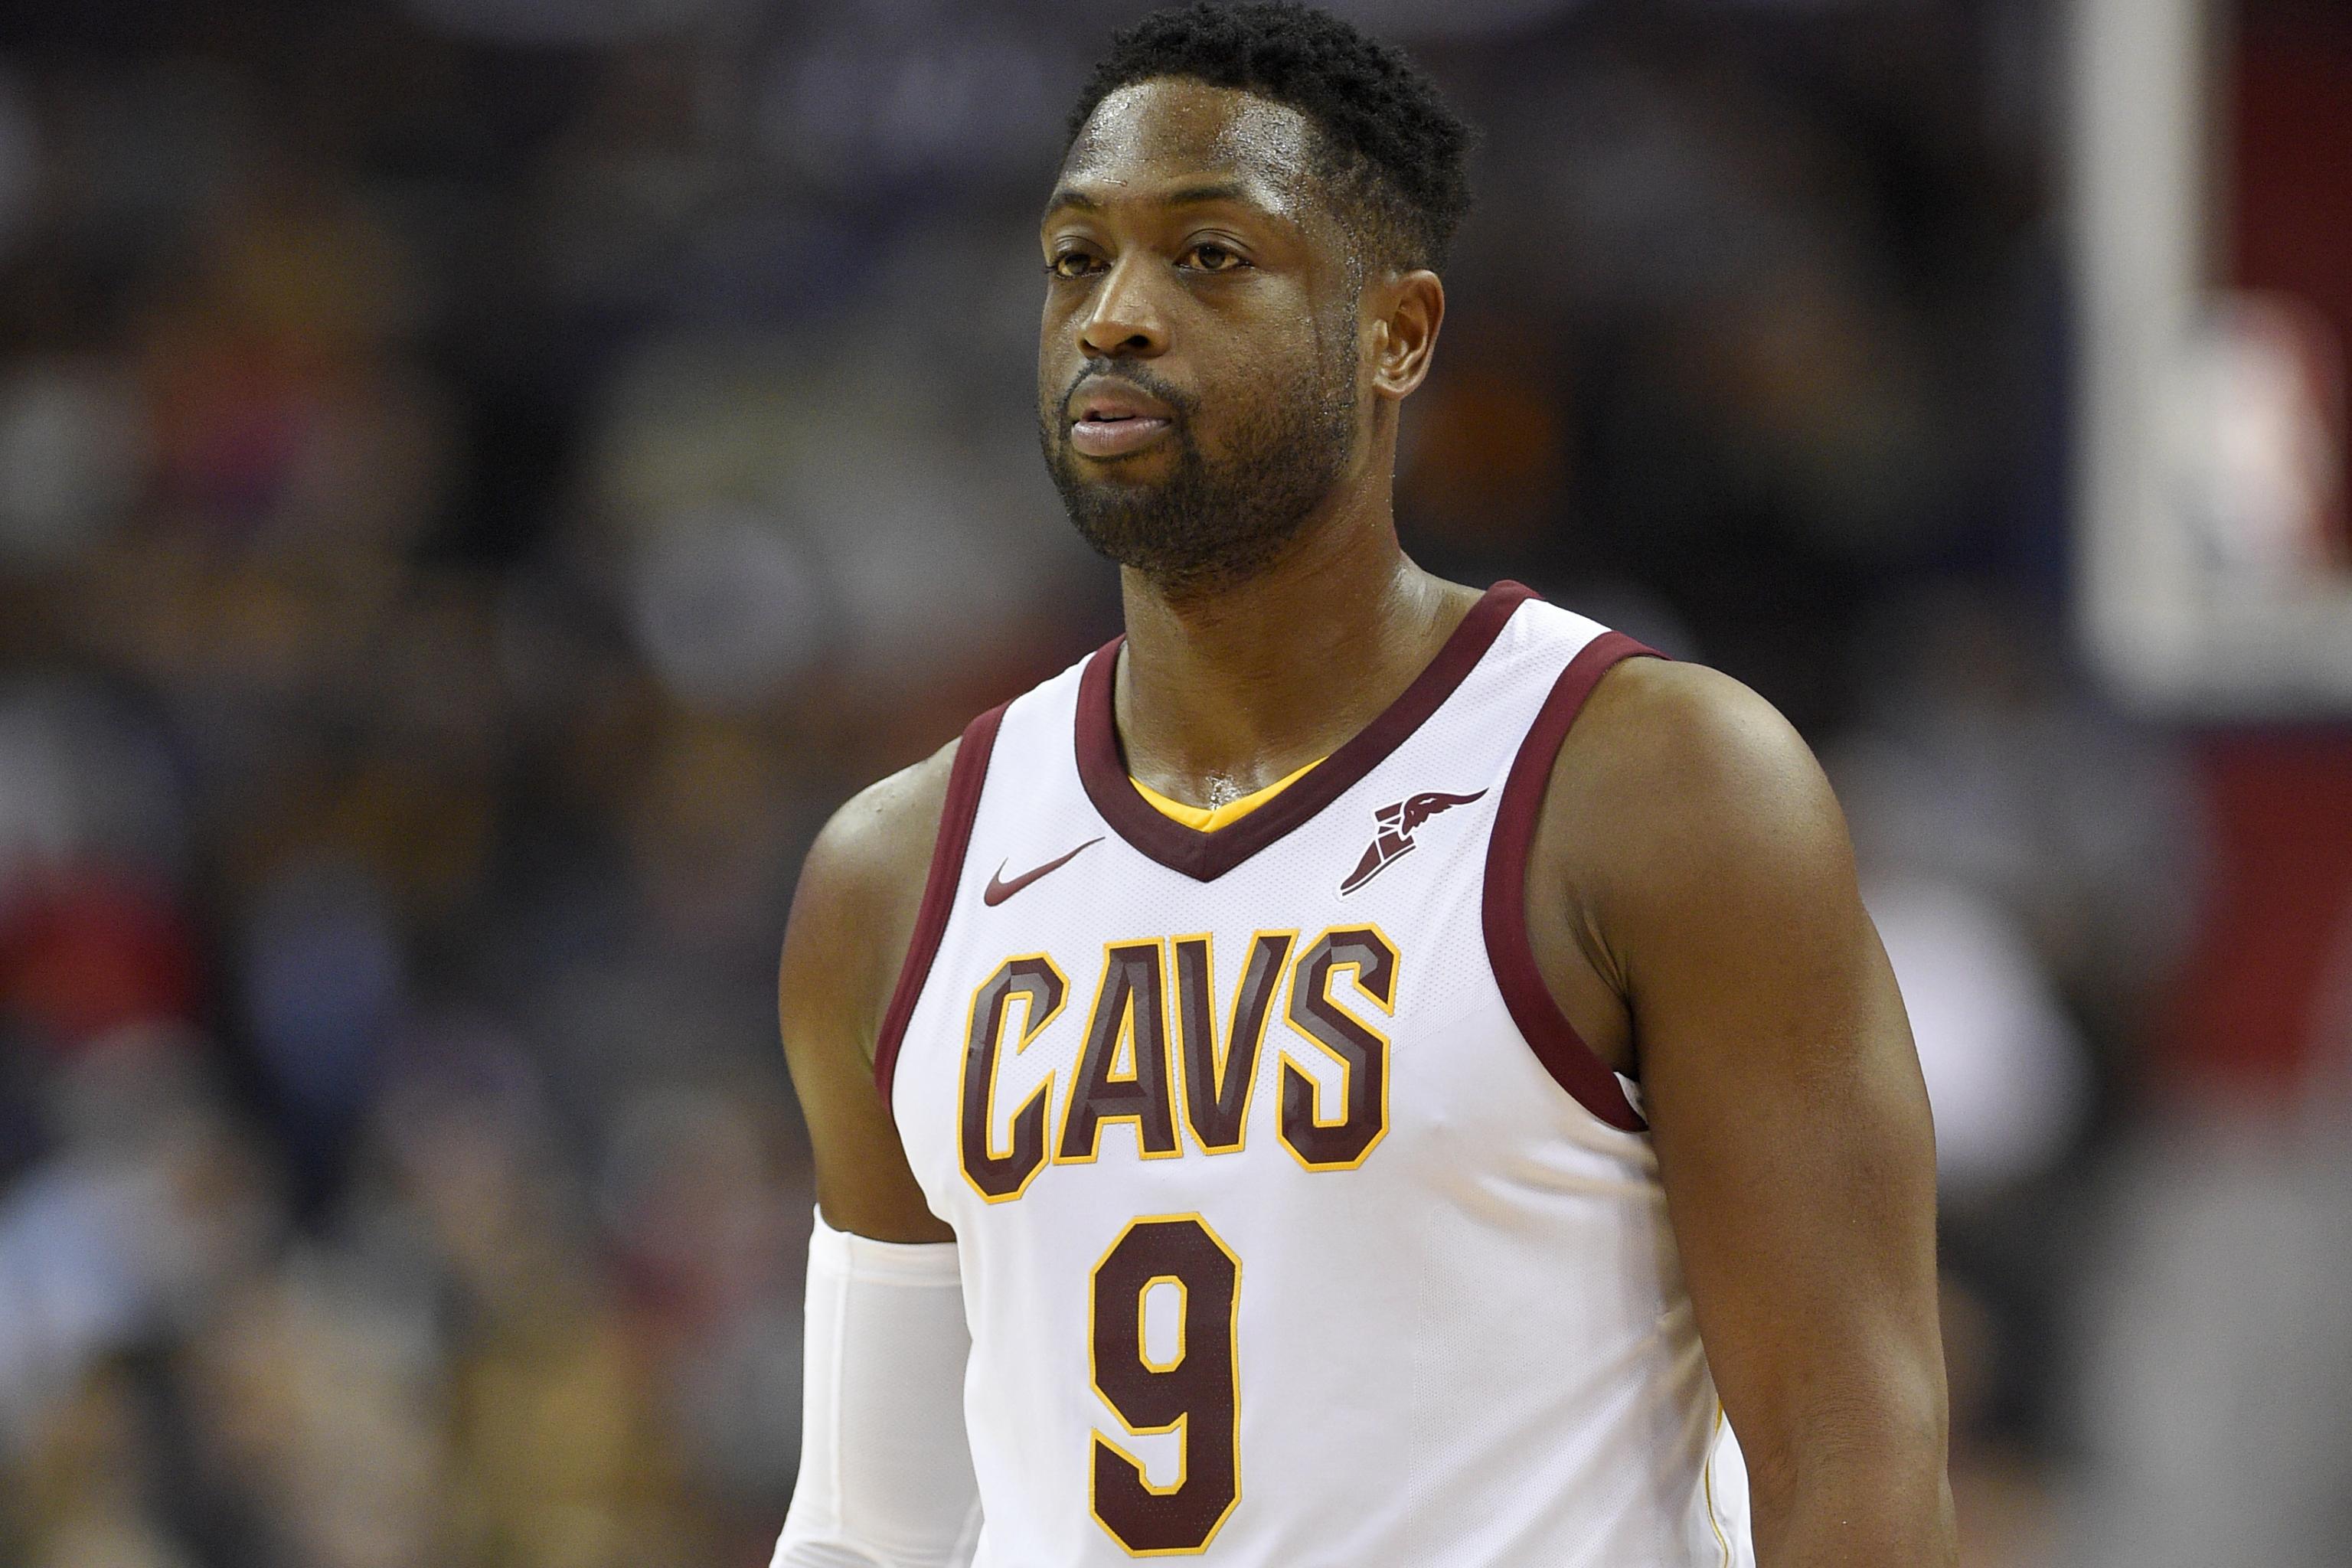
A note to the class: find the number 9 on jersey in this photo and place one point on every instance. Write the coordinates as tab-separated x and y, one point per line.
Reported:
1193	1391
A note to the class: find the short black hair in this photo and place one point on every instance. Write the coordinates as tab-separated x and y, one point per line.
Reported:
1390	141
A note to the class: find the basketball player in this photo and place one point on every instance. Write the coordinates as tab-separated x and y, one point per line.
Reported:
1372	1072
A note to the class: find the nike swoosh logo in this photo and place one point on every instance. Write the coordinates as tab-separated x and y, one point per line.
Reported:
998	889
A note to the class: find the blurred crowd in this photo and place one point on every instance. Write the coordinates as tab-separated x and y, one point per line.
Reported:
481	479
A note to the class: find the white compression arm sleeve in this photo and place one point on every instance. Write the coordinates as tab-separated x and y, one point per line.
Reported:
885	1475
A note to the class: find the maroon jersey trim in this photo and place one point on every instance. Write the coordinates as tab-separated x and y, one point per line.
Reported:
1549	1032
969	771
1206	857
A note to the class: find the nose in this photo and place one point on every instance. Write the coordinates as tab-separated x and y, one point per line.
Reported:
1124	320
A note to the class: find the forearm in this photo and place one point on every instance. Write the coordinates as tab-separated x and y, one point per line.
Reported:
886	1478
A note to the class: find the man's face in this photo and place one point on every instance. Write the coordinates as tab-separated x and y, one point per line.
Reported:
1198	363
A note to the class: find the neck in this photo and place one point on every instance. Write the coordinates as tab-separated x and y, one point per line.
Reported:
1233	690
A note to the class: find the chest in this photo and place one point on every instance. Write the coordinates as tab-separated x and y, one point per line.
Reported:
1117	1004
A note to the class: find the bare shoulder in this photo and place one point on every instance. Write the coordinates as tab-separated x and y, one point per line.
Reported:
1680	803
854	913
1653	723
1686	768
853	920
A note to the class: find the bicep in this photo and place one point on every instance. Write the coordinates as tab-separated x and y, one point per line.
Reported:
851	921
1785	1100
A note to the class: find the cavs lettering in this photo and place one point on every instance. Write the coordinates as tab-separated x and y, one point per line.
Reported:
1164	1059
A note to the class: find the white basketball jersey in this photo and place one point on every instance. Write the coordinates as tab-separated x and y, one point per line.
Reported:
1297	1228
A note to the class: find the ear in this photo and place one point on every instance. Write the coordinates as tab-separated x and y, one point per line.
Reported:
1407	311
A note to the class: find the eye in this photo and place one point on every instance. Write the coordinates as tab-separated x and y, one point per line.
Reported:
1073	264
1208	256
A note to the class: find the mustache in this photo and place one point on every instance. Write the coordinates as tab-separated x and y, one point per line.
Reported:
1138	376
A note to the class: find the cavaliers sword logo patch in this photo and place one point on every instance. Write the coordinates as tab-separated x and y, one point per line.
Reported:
1392	836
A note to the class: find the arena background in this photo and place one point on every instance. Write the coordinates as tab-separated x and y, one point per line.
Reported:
481	479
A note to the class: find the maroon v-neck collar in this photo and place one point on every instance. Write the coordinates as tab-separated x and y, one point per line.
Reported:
1206	857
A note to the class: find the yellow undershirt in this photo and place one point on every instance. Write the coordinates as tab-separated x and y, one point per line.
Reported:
1208	818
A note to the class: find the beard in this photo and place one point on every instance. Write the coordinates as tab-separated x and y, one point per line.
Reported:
1208	522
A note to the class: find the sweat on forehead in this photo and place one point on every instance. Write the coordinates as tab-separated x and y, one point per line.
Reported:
1173	128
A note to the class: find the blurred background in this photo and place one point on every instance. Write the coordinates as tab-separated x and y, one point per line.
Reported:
481	479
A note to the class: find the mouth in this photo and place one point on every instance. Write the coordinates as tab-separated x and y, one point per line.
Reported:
1114	435
1113	419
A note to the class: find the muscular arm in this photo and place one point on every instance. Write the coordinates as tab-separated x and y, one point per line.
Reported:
886	1476
1706	933
853	917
